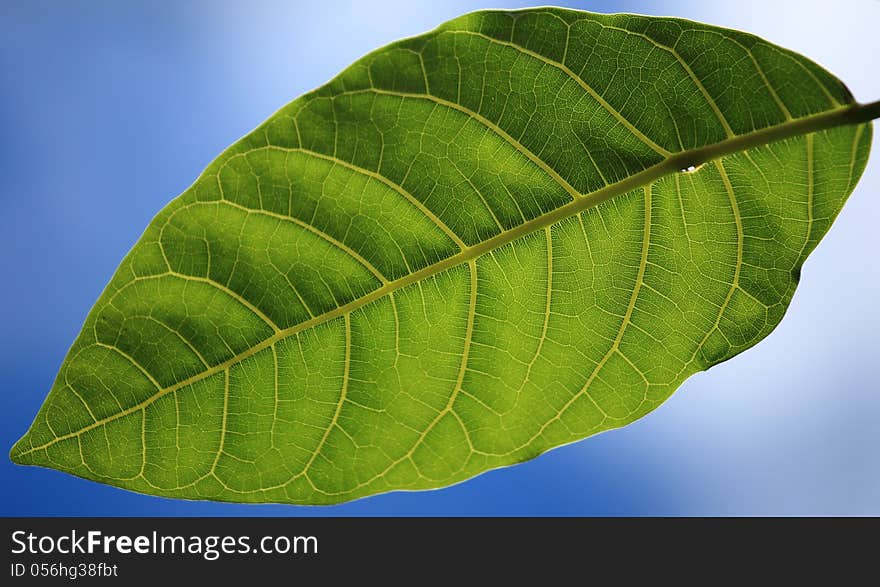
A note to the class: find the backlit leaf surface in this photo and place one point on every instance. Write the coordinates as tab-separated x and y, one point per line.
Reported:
508	234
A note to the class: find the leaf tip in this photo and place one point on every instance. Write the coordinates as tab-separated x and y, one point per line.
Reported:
18	453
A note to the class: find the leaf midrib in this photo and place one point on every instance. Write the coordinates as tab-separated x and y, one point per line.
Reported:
850	114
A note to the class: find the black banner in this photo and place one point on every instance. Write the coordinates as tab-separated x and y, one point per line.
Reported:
415	550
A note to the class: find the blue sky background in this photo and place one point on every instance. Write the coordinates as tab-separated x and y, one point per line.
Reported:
110	109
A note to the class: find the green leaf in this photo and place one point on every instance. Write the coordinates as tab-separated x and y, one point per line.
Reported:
474	245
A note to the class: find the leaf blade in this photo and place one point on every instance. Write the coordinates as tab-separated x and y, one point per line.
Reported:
303	296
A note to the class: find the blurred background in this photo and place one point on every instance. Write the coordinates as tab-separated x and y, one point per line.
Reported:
110	109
